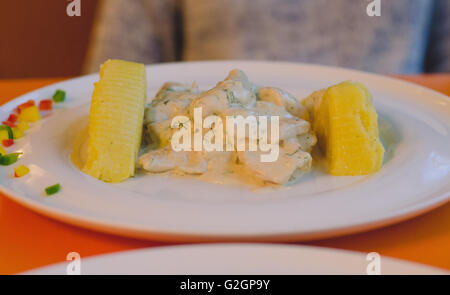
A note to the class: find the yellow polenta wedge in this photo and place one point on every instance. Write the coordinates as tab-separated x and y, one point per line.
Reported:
346	125
115	121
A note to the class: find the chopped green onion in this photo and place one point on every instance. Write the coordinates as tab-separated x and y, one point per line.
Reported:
53	189
59	96
230	96
9	159
7	128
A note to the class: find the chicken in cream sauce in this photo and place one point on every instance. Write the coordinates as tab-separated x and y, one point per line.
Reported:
233	96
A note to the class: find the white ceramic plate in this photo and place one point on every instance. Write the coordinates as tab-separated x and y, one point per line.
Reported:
239	259
414	122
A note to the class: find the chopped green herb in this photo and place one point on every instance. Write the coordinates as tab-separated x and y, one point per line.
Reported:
231	97
162	93
59	96
180	125
296	151
8	159
7	128
166	102
53	189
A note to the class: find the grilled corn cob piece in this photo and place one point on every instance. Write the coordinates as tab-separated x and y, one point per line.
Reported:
115	121
345	122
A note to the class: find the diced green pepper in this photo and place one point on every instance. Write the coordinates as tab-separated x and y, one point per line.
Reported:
59	96
9	159
7	128
53	189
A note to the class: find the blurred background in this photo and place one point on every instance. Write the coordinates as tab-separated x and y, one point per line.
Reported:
39	38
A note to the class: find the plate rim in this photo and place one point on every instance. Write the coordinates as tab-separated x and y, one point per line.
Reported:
273	247
144	233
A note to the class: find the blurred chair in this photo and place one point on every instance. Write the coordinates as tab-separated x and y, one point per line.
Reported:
410	36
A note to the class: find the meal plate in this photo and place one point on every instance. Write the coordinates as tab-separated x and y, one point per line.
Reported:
239	259
415	177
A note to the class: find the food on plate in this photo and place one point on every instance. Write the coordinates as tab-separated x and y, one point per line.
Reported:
53	189
20	171
25	105
29	114
234	96
115	121
186	131
46	105
8	159
7	142
17	132
17	122
59	96
22	125
15	126
6	132
11	121
346	125
12	118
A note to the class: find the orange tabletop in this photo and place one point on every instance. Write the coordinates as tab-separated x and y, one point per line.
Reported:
29	240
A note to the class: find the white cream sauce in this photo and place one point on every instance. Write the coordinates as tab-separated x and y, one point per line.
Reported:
235	95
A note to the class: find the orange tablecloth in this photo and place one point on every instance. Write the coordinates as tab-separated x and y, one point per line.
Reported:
29	240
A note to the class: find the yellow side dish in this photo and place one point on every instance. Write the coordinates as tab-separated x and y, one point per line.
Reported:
346	125
17	133
21	170
115	121
30	114
22	126
4	134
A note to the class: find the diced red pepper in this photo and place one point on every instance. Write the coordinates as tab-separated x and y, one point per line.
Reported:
8	123
12	118
25	105
46	105
7	142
